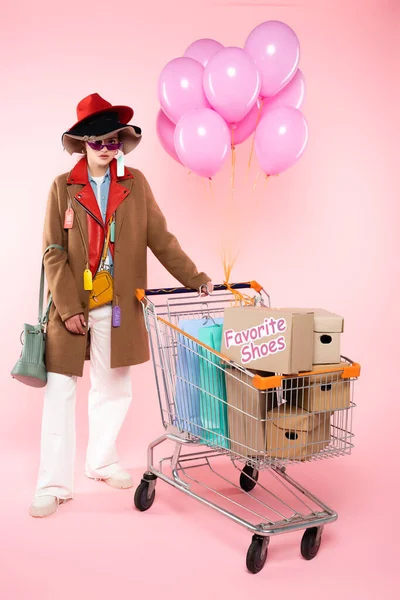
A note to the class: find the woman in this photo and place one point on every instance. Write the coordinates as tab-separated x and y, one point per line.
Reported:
105	217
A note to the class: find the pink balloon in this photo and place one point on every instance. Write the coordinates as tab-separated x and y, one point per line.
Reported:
202	50
280	140
202	141
243	130
165	131
232	83
180	87
291	95
276	51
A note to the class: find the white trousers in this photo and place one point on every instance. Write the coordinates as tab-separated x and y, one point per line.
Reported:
109	400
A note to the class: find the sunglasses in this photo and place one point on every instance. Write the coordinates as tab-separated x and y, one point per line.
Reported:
99	146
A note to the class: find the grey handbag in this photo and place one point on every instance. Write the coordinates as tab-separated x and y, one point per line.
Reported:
30	368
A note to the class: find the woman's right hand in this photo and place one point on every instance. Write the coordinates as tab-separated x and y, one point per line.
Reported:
76	324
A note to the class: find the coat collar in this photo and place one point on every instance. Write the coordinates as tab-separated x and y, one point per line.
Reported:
107	176
79	173
85	196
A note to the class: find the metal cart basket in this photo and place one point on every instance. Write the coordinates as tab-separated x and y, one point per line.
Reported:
261	422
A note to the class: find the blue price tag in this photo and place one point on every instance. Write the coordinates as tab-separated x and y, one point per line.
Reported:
120	164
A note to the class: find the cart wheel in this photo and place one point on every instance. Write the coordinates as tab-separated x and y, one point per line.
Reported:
141	500
257	554
248	478
309	543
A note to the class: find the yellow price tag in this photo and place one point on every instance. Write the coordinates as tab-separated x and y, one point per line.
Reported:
87	280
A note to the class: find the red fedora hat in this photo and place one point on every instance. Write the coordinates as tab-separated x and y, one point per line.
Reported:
94	104
96	118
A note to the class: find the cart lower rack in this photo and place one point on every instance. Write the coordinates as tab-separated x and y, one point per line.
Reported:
213	410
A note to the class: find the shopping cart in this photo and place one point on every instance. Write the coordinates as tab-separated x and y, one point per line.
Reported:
261	422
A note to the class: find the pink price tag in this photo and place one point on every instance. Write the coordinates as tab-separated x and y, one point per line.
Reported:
116	316
68	218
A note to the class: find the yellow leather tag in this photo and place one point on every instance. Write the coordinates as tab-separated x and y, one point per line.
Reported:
87	280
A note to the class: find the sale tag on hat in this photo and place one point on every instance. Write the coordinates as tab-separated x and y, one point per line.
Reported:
120	164
68	218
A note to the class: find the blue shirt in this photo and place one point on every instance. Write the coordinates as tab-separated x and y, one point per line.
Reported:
101	193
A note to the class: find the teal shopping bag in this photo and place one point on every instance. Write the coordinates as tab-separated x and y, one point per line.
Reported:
213	408
188	385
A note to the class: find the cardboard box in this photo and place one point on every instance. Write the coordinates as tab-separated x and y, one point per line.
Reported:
278	341
327	329
247	412
292	391
297	434
325	392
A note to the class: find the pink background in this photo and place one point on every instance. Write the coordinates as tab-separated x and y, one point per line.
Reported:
323	234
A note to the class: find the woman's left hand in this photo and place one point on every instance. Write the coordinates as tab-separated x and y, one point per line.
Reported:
207	289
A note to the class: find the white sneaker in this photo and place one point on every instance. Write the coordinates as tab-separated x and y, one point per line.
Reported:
44	506
121	481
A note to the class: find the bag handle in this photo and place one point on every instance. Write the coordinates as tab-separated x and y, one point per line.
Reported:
43	318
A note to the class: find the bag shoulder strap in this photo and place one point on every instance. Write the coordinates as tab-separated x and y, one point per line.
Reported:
43	318
106	241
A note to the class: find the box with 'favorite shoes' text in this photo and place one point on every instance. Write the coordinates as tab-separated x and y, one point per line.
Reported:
265	339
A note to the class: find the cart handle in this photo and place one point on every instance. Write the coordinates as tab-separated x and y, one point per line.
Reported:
141	293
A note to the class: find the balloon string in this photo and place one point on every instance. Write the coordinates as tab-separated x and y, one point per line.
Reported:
228	262
206	196
211	189
233	162
254	137
256	181
258	201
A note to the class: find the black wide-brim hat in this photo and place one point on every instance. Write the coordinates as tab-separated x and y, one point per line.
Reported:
99	119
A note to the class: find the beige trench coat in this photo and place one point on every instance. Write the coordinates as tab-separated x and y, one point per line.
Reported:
139	224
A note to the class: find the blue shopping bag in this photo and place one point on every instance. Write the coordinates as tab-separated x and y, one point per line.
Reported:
187	397
213	406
